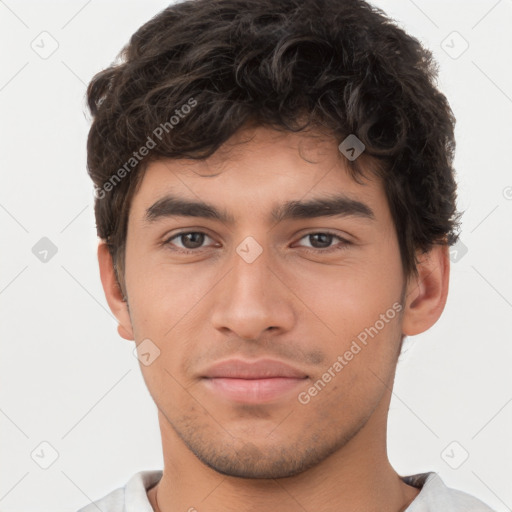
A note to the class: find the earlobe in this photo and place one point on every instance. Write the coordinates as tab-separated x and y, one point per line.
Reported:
427	293
127	335
113	293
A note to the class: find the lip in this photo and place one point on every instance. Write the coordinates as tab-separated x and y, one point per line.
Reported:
260	381
260	369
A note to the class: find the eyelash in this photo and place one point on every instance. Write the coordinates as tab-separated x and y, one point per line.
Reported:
345	243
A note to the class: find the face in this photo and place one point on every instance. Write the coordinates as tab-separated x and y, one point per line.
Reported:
290	261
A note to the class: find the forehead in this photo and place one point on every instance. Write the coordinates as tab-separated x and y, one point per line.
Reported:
257	170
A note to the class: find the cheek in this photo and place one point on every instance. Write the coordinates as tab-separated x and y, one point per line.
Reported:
161	293
350	296
355	306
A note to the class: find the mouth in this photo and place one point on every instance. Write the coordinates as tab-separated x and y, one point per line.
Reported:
253	382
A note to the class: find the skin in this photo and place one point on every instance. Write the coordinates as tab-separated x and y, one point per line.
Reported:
296	303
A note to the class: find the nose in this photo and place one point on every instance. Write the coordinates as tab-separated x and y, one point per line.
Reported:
252	299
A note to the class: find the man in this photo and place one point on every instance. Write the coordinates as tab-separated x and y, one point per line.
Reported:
275	201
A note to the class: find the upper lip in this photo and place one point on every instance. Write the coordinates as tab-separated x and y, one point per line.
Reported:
260	369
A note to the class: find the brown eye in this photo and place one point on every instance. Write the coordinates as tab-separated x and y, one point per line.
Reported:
192	240
322	242
187	241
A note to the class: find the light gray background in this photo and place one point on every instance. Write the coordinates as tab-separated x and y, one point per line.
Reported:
69	380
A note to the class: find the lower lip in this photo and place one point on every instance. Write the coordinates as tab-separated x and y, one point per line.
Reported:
253	390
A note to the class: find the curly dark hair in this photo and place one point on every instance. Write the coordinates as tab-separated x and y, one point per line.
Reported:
335	66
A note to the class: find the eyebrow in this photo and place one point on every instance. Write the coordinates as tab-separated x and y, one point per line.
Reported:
334	206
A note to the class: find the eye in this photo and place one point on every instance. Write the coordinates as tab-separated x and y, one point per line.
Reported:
321	241
187	241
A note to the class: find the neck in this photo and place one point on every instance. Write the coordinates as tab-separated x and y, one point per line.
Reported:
356	477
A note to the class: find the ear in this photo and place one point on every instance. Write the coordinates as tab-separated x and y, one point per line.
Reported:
426	294
113	292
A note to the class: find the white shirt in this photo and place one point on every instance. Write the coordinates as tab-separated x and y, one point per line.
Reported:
433	497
